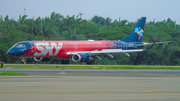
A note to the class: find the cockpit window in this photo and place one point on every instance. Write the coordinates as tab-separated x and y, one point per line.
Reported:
20	46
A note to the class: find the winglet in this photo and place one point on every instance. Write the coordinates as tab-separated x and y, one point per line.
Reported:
151	46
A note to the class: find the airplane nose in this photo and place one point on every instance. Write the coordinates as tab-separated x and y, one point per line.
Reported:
10	52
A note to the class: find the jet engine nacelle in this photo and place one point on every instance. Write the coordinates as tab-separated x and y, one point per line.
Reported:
42	58
81	57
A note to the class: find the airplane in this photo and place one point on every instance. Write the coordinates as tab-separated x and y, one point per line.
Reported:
82	51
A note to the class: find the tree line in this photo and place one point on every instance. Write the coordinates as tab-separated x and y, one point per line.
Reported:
59	27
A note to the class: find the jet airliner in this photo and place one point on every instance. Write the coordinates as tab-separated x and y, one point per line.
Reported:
82	51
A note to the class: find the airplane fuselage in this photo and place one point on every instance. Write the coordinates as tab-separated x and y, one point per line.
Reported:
60	49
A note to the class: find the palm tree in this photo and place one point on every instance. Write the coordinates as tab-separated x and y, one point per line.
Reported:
71	35
98	20
117	23
108	21
124	22
29	24
22	19
172	24
55	19
9	24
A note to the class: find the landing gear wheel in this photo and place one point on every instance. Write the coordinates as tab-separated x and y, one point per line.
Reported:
66	61
87	63
62	62
92	62
23	62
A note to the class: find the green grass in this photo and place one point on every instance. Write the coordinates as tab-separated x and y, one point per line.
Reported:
12	74
88	67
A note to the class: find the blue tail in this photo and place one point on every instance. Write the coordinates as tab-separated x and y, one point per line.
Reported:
138	32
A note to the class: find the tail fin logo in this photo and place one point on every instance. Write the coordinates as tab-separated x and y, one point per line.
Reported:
139	31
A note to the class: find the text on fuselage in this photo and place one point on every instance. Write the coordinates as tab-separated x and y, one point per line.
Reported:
53	51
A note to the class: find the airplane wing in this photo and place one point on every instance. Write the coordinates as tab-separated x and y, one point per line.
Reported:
146	44
109	52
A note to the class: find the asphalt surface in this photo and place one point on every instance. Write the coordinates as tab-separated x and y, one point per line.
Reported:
90	85
97	72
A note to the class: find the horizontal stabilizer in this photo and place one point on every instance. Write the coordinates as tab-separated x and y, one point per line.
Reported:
145	44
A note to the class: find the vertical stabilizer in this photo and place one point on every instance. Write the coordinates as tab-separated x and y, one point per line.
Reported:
138	32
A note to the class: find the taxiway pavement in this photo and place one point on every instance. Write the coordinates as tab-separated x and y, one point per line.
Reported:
90	85
97	72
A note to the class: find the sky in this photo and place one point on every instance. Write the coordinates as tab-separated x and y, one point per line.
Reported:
130	10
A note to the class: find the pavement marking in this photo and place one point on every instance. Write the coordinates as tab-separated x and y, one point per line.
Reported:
75	92
151	74
157	91
173	76
162	91
159	74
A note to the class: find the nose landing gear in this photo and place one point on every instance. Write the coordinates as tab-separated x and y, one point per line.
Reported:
23	60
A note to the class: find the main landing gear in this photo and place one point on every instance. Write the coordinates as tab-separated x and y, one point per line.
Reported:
65	62
90	62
